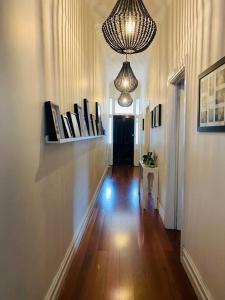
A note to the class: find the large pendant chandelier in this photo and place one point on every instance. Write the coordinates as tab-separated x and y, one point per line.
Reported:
129	28
126	80
125	100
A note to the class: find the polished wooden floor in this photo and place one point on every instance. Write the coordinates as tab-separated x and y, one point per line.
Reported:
126	254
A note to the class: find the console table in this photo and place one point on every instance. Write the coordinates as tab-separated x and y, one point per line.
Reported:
148	181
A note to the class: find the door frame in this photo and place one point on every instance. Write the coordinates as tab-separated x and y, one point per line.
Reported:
171	155
126	116
179	166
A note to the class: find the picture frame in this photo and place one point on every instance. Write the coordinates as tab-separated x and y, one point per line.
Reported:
211	98
54	125
152	119
94	121
73	124
158	115
80	120
87	116
98	118
98	111
155	123
66	126
92	117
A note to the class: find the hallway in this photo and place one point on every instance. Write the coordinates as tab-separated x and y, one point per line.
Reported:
125	255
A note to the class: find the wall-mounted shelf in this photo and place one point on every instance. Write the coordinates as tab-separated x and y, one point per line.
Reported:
71	140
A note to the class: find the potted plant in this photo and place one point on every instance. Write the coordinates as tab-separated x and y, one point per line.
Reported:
150	159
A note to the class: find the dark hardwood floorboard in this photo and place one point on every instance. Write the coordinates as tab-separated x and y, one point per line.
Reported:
126	254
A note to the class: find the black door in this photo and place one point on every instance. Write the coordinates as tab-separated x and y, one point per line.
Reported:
123	140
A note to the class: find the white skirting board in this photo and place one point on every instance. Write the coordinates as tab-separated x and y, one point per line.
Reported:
195	277
58	280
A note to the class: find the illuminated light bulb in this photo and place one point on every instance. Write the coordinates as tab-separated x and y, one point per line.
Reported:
125	83
130	26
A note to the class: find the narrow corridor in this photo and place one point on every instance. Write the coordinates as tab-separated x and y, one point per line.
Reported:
126	255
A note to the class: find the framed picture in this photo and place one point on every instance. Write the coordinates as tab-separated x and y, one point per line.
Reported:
94	123
211	105
87	117
66	126
80	120
92	117
152	119
73	124
98	111
98	118
154	113
158	115
54	125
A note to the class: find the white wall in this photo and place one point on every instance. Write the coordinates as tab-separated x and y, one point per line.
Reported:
191	33
45	190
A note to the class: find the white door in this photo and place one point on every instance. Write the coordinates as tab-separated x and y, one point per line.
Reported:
180	153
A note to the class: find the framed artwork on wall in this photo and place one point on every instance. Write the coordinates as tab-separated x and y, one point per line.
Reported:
73	124
98	118
211	102
66	126
154	113
77	111
92	117
87	117
156	116
54	125
152	119
80	120
98	111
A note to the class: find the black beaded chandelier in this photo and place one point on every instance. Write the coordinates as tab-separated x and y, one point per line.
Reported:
125	99
129	28
126	80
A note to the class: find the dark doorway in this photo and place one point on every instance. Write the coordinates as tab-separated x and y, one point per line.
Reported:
123	140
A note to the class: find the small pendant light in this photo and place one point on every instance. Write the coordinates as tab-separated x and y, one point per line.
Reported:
125	99
129	28
126	80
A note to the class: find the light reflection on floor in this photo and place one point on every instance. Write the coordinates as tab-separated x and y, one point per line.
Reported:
121	240
109	198
122	293
124	219
134	196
